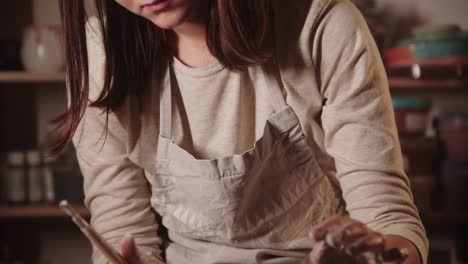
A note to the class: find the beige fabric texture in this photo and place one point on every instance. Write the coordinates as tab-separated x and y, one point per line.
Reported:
334	81
269	197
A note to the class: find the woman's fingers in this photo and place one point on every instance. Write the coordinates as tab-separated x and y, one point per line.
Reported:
322	254
129	251
372	242
340	237
353	231
395	255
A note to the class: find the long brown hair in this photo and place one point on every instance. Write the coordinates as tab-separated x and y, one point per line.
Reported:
237	33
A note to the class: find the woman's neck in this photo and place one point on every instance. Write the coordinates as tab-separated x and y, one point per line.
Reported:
189	44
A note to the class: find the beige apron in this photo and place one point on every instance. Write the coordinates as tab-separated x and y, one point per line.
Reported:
257	207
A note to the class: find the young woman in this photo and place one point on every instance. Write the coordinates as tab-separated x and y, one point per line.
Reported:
252	131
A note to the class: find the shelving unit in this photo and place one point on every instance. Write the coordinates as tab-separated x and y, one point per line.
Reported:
33	230
38	211
31	77
33	233
401	85
446	230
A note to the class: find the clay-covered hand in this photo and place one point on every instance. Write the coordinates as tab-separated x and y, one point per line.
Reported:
341	239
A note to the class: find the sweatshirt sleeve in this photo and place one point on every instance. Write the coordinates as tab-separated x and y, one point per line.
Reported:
359	126
116	190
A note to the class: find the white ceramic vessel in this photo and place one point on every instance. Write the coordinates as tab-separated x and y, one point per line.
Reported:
42	49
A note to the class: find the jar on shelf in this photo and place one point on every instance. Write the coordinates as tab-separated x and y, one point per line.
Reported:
411	116
34	176
42	49
48	179
15	178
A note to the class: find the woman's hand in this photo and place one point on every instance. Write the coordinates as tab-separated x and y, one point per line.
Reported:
130	253
341	239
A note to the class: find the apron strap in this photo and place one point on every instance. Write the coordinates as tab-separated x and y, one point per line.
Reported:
165	108
271	79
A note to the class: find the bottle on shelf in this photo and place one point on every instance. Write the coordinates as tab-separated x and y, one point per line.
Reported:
48	179
15	178
34	176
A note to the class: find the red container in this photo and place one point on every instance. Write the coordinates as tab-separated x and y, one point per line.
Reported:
399	55
411	116
453	132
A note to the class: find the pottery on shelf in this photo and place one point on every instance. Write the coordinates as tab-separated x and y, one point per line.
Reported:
42	49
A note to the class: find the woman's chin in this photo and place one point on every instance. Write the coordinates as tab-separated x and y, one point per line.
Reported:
165	24
167	20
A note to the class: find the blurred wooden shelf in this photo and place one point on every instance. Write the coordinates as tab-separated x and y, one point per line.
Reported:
37	211
31	77
405	84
